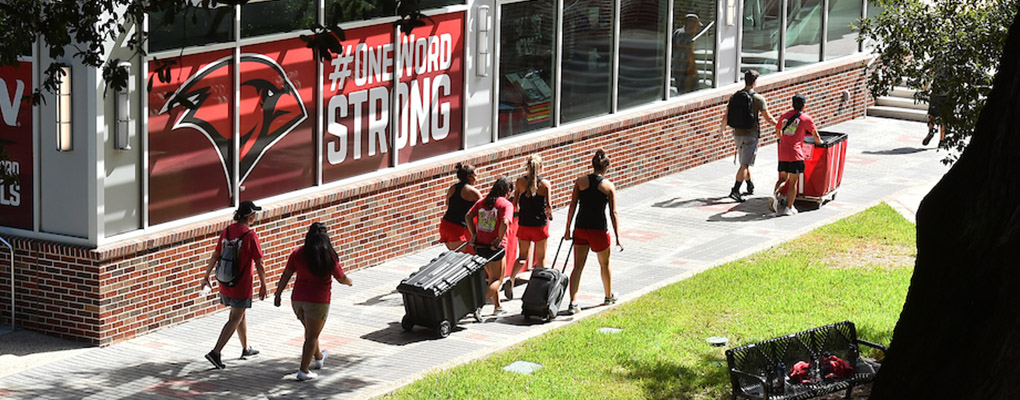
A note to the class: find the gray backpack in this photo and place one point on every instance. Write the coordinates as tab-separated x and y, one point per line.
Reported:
228	269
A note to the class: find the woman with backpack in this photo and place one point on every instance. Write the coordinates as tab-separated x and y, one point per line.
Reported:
488	234
316	265
238	244
533	198
592	193
460	197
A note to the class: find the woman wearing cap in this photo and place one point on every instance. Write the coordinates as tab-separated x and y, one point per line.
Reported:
460	197
488	234
592	193
533	198
238	297
316	265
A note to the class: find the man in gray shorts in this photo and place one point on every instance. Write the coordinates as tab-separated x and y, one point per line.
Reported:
742	114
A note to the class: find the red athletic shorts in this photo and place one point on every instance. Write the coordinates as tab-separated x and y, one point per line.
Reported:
532	233
597	239
451	232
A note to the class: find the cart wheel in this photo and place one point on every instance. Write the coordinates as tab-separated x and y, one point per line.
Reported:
478	315
551	315
445	328
406	323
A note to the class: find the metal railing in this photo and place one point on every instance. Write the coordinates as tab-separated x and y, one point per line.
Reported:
11	248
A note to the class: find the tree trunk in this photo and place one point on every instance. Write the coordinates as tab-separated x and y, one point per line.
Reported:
958	336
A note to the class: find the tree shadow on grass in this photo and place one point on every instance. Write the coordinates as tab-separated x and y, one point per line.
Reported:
666	379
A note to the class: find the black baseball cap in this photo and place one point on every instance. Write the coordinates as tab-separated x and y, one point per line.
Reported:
247	208
799	100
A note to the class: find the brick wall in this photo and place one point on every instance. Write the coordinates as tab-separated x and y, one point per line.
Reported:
126	289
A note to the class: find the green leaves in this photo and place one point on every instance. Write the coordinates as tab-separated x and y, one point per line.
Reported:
947	48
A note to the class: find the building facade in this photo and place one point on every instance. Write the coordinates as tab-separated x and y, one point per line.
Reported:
121	194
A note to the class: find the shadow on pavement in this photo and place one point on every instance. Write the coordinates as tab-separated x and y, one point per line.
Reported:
899	151
254	378
678	202
755	209
392	298
397	336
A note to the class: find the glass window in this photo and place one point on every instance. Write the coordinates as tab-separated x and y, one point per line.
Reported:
362	10
803	32
264	17
692	65
526	67
642	51
842	38
195	26
760	32
587	58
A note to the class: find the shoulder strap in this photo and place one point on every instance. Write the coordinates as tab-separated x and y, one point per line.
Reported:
791	119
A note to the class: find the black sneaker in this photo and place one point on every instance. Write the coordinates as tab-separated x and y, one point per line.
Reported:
927	139
250	351
750	189
735	195
610	300
214	358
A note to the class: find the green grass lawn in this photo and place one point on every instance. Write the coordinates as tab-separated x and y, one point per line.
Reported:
857	269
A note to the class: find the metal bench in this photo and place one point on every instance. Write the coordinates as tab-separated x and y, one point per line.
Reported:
762	370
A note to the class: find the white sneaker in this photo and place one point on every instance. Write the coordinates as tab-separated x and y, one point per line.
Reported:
772	202
789	211
317	364
301	376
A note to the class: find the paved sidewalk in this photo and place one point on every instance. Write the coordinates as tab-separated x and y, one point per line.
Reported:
672	228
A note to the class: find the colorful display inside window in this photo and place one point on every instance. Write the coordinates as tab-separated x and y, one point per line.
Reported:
16	199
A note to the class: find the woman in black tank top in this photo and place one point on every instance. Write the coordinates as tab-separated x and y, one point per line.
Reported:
591	194
533	202
459	199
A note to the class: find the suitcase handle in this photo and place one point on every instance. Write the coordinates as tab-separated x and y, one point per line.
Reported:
566	261
494	255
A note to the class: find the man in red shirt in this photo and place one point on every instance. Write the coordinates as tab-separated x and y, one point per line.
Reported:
238	297
790	130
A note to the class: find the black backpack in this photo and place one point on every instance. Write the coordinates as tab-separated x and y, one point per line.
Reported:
740	111
228	269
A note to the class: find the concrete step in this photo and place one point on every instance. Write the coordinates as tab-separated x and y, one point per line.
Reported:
901	102
898	113
903	92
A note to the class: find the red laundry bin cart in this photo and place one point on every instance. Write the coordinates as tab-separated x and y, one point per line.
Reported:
823	170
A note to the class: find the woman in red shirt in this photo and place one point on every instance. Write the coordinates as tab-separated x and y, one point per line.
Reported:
315	263
488	234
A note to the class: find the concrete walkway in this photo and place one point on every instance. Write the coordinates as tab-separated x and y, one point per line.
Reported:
672	228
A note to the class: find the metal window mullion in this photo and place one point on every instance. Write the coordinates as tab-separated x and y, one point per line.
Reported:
669	49
719	16
497	53
320	114
395	103
783	9
558	63
825	29
143	134
614	54
36	152
739	45
235	136
864	15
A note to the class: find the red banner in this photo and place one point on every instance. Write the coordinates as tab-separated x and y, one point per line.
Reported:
190	134
16	139
357	94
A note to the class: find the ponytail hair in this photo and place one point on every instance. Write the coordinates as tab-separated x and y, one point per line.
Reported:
464	171
318	251
499	189
600	162
534	168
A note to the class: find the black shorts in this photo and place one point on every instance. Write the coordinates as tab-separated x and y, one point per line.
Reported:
487	252
792	167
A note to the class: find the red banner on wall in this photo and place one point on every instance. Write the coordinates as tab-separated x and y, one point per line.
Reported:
357	94
16	138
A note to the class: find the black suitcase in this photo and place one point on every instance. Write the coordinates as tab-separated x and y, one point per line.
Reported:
449	288
545	290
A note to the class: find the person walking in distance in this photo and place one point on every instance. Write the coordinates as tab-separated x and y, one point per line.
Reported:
533	198
238	296
590	196
460	197
742	113
793	125
316	265
488	234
